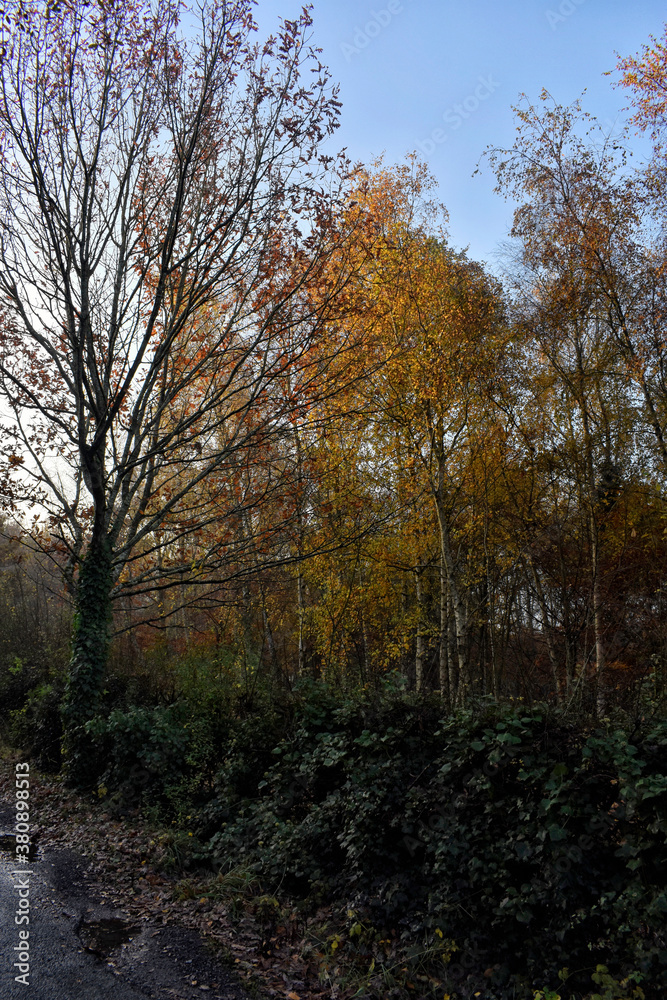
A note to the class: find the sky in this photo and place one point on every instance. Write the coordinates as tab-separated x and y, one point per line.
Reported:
440	78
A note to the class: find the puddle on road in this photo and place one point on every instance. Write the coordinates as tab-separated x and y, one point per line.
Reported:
106	935
8	846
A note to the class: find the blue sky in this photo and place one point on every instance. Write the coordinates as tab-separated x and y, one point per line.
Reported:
441	78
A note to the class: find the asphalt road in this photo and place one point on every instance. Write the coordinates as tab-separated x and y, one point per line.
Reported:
80	950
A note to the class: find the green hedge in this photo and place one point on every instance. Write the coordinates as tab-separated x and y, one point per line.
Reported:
510	842
529	841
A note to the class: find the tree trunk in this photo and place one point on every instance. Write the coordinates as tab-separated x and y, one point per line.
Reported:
90	649
448	585
300	611
546	626
598	626
452	660
419	641
446	689
364	631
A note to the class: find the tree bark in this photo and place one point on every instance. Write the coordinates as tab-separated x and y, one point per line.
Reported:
419	639
90	649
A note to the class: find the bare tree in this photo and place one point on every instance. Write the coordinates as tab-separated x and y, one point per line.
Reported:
165	230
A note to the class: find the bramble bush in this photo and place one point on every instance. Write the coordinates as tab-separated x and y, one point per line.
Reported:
487	850
36	727
528	840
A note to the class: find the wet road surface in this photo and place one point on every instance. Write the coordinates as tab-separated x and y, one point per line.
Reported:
79	949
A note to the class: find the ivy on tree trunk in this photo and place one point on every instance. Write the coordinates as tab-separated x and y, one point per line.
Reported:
90	647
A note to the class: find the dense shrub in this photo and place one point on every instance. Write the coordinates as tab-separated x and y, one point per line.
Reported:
36	727
529	841
508	843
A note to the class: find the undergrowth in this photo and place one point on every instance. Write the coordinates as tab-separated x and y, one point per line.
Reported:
502	852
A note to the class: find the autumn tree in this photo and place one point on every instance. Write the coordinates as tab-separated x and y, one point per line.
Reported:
589	280
434	318
645	76
443	334
166	210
